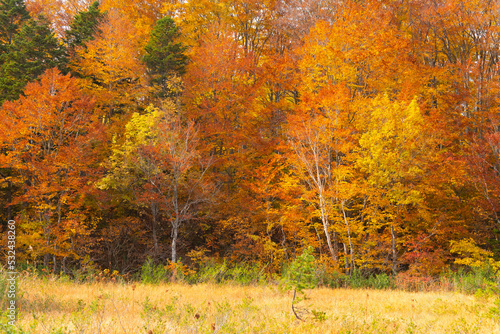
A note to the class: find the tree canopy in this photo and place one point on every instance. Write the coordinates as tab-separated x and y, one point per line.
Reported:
250	131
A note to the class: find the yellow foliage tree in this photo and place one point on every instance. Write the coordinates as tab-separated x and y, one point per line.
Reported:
158	163
392	151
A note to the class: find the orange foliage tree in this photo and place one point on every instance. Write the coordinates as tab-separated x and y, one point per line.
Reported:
111	64
48	140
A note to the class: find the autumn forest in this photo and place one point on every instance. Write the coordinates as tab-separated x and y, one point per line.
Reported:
246	131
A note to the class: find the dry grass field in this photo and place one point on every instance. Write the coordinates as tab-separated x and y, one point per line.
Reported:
58	306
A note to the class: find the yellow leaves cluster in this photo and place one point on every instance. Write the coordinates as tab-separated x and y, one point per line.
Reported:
391	146
472	255
195	17
140	130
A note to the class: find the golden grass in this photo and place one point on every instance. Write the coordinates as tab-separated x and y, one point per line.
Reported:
54	306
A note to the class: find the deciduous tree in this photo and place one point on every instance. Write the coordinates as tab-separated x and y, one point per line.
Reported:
47	138
111	62
159	160
393	158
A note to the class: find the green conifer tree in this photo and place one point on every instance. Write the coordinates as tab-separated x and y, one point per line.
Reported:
164	55
33	50
84	27
13	14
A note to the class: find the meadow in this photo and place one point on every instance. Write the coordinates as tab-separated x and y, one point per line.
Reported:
52	304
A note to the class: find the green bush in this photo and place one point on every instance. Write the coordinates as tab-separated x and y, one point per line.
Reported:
333	279
381	281
472	280
357	280
154	273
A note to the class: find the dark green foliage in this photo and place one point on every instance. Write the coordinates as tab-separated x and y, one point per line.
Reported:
164	56
357	280
84	26
379	281
33	50
13	14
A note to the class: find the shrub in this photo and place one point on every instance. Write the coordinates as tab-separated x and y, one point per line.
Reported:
152	273
301	275
213	272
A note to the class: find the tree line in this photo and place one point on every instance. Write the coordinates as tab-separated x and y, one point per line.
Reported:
247	131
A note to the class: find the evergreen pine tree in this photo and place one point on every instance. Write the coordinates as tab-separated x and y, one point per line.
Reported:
164	56
13	14
84	26
33	50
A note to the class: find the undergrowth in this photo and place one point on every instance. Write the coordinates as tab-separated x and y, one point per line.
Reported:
465	281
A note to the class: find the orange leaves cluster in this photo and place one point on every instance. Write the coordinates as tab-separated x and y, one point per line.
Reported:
48	139
112	64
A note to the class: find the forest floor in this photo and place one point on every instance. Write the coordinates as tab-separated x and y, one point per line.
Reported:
60	306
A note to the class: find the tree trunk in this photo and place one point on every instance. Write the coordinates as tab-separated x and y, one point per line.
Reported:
394	254
154	212
351	251
331	248
326	227
64	270
346	261
175	233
